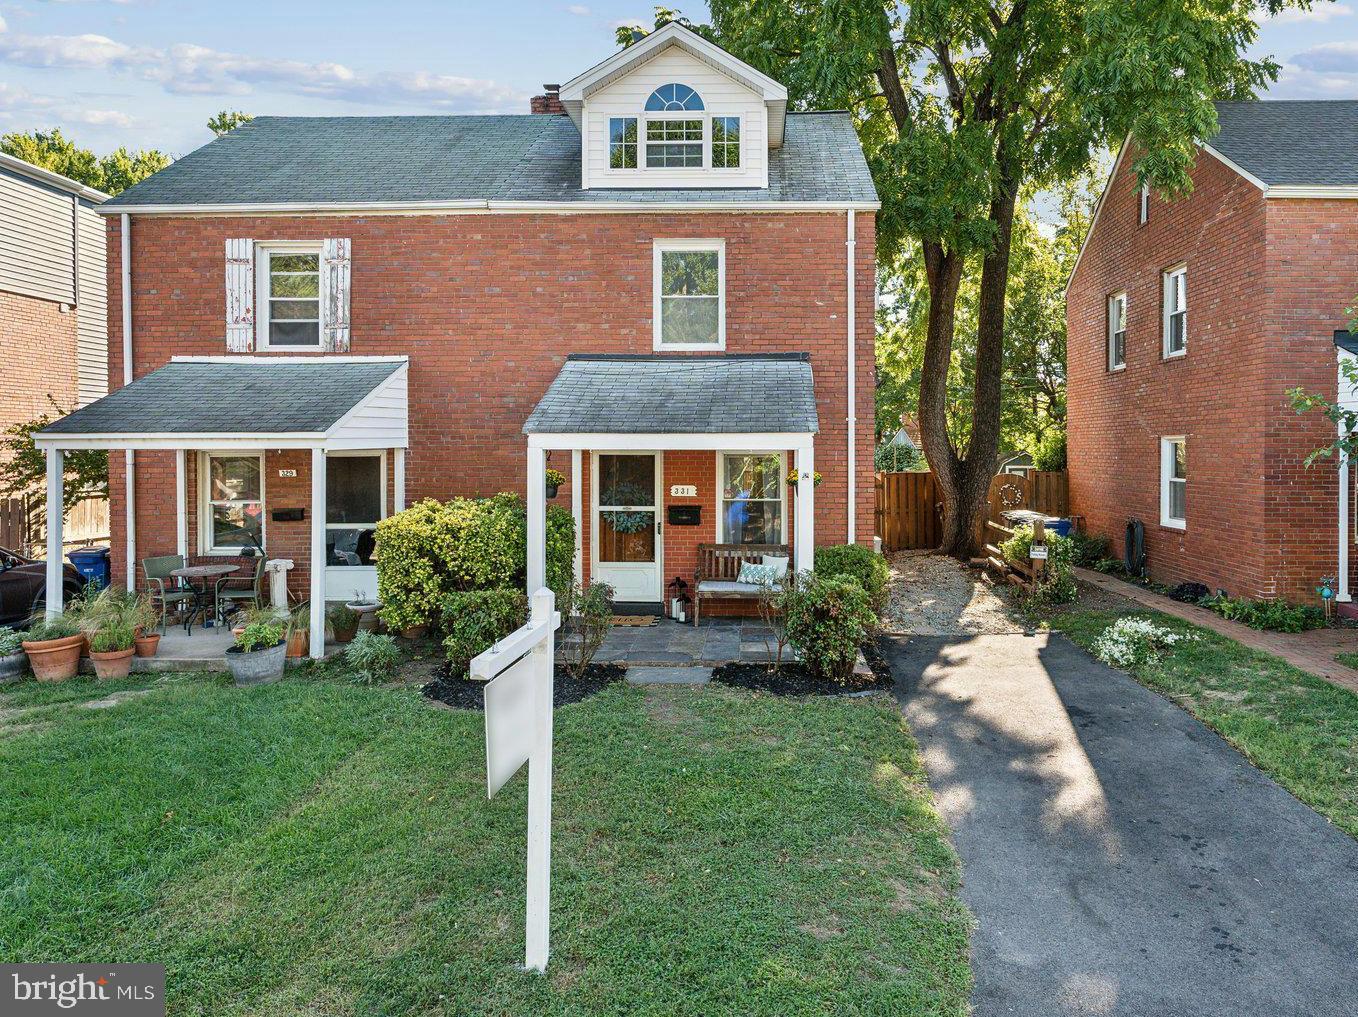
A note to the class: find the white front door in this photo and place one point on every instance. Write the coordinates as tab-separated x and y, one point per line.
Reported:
627	545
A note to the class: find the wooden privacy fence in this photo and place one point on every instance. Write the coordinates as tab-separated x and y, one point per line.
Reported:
22	527
910	505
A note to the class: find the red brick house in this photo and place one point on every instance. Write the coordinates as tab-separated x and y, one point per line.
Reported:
1188	322
660	283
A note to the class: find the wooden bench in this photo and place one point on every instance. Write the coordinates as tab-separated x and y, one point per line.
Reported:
718	567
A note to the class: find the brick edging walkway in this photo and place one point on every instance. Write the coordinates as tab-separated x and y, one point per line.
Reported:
1312	652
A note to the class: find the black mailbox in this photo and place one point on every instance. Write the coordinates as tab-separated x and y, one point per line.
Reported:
292	515
684	515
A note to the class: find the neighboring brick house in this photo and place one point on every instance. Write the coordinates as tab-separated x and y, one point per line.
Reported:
660	212
1188	322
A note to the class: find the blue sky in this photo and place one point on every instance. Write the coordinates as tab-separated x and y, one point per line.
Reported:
150	72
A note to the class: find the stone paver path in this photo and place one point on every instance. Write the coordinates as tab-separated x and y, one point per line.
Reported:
669	675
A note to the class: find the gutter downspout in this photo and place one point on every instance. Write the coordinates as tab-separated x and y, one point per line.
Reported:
851	245
129	457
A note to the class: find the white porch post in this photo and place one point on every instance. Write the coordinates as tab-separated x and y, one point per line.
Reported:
577	511
181	512
804	549
317	553
1342	594
537	519
56	482
398	477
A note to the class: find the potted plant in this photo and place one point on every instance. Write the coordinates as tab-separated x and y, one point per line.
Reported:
147	639
259	655
365	609
13	660
248	616
298	628
555	478
111	648
343	622
53	649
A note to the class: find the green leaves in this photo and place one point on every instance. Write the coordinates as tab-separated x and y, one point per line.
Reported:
112	173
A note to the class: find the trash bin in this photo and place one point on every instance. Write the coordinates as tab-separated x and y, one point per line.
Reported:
1061	527
92	563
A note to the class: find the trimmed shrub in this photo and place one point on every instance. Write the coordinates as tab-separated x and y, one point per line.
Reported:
475	619
828	619
862	564
372	658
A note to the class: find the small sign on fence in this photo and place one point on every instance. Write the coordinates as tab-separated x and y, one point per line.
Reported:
1038	552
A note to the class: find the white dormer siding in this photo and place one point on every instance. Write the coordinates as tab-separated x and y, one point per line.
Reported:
722	96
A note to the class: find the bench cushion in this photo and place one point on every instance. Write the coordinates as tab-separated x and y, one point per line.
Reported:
731	587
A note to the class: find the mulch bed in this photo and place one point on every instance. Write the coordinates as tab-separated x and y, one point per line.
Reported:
467	694
795	679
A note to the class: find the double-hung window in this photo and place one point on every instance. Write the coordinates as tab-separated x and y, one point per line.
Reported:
1175	301
726	142
690	295
290	295
753	497
1173	483
674	143
622	143
233	499
1117	331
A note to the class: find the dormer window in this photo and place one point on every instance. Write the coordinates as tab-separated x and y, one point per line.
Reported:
674	98
674	143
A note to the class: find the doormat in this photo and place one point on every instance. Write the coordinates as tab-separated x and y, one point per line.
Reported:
639	621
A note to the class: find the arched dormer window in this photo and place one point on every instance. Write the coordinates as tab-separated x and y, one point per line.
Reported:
674	98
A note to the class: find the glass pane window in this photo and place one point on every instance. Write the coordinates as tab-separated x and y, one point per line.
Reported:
1174	477
674	143
726	142
1176	311
622	143
752	498
1117	331
235	496
690	297
674	97
294	307
353	505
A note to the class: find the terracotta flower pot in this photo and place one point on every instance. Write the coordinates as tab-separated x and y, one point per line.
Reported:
114	664
147	645
55	660
345	635
298	643
414	632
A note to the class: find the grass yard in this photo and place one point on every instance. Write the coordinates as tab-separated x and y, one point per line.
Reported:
319	848
1299	729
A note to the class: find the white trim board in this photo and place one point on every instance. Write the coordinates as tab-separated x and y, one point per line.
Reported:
307	208
768	441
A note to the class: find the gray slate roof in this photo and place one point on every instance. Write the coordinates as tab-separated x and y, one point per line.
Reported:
217	398
534	157
679	394
1300	142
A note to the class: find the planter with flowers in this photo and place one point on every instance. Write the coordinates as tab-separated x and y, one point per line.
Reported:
555	478
259	655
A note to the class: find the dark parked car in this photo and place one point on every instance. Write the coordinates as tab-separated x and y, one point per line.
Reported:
23	586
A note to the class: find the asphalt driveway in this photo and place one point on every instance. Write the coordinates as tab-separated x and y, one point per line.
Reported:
1119	856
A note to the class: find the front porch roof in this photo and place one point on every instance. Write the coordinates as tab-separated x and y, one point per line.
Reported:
768	393
235	402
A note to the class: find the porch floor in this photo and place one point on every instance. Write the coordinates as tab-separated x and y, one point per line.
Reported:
668	643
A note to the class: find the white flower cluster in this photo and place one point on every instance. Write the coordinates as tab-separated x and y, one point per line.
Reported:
1131	642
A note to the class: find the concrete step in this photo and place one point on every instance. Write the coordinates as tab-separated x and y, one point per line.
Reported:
669	675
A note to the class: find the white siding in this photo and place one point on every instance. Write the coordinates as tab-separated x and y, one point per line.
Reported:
92	308
722	96
380	421
36	256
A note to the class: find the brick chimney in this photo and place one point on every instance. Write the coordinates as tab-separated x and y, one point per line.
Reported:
549	102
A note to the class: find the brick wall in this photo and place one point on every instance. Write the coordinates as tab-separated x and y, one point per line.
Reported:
487	307
38	351
1266	288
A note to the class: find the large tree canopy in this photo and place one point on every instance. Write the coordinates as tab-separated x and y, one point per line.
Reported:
112	173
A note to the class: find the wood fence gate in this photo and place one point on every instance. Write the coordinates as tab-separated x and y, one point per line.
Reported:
910	505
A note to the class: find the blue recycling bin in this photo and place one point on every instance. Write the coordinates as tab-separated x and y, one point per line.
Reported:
1061	527
92	563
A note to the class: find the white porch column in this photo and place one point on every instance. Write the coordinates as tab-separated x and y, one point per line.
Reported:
1342	593
398	478
317	553
578	512
56	482
130	517
537	519
804	549
181	511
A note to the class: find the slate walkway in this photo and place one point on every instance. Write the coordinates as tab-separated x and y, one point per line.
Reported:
1120	858
715	642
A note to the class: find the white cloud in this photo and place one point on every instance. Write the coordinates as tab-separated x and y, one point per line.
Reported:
1329	57
189	69
579	10
18	106
1321	12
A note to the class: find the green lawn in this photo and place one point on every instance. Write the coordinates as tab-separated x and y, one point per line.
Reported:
1299	729
315	847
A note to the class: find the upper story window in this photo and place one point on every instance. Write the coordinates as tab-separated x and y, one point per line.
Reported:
726	142
690	295
1117	331
674	143
1175	301
622	143
1145	204
674	98
290	282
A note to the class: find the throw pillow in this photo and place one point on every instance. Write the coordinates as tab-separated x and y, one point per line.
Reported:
778	562
757	575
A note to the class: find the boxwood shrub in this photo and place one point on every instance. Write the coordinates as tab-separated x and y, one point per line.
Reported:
862	564
828	619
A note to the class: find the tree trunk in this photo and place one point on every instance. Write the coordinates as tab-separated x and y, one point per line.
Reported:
943	270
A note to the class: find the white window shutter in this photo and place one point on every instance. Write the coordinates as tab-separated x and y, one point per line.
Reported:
335	295
240	296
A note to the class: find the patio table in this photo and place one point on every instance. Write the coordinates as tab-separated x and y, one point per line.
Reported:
208	574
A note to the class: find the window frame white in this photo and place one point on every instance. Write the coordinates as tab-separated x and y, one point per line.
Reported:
1118	299
639	145
644	143
1144	205
381	456
659	248
720	485
739	143
206	527
1167	293
264	251
1167	447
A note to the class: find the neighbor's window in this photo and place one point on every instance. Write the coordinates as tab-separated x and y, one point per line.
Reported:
622	143
752	498
674	143
1117	331
1173	483
355	492
1176	311
290	280
726	142
235	503
689	294
1145	203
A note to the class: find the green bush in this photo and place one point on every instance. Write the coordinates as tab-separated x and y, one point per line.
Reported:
436	548
1269	615
112	637
889	457
586	617
60	627
1087	550
828	619
372	658
1058	580
862	564
10	641
475	619
1050	452
259	636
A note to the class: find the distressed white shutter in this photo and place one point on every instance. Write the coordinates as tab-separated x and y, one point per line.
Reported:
335	295
240	296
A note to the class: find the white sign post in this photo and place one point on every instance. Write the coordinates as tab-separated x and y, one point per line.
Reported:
519	730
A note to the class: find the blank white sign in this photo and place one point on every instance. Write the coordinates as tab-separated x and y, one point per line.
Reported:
509	723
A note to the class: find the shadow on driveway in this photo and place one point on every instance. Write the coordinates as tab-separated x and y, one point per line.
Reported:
1120	857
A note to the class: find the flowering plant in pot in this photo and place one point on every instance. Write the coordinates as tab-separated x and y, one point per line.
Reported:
112	647
259	654
53	649
554	480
